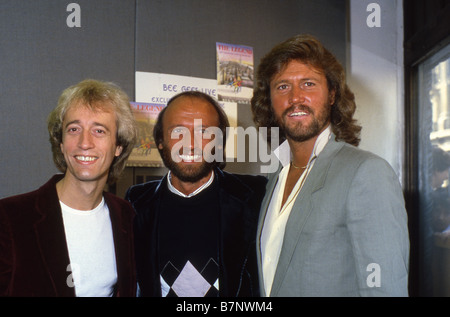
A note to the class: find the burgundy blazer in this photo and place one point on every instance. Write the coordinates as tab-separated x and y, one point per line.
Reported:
33	251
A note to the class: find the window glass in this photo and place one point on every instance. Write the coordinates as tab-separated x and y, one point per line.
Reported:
434	165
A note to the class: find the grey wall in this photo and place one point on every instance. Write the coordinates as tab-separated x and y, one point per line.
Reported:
375	74
40	56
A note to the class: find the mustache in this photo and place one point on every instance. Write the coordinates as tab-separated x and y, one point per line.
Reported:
295	108
189	150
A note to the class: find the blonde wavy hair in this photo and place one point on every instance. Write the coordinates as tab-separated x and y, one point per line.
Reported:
93	94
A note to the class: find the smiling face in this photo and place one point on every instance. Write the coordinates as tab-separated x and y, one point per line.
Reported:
187	163
89	142
301	101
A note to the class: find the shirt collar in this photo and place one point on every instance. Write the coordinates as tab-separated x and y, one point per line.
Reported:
195	192
284	154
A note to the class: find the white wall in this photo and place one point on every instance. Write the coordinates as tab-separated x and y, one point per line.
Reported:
375	74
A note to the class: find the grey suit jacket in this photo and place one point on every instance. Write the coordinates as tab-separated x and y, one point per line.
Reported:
347	232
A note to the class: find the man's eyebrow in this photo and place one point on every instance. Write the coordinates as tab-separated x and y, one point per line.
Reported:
71	122
176	126
183	126
279	81
287	80
95	124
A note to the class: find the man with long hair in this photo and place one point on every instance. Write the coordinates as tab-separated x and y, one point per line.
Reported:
333	222
69	237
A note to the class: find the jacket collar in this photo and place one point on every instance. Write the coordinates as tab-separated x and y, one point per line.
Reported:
123	245
51	238
297	220
236	189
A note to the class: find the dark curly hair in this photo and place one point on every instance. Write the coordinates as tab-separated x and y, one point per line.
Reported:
306	49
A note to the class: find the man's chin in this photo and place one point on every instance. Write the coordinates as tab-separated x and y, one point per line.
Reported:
85	176
190	177
190	173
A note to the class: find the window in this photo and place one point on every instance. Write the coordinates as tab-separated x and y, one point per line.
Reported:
433	171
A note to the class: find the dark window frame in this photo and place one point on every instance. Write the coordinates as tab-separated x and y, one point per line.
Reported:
426	30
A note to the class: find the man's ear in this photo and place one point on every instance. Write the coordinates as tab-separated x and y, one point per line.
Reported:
119	150
332	97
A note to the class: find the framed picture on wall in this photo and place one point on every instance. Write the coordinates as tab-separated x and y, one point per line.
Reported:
234	72
145	152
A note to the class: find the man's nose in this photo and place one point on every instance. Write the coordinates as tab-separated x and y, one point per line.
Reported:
296	95
86	140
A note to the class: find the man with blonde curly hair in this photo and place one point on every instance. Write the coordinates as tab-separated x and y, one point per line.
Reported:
70	237
333	222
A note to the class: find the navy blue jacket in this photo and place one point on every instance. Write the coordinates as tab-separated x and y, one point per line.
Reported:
240	199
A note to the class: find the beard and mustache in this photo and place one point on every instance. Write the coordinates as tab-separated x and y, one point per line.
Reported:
298	132
190	173
301	132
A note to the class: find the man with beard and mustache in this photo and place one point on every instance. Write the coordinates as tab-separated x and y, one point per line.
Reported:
333	222
195	229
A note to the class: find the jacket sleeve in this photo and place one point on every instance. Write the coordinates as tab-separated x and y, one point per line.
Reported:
377	222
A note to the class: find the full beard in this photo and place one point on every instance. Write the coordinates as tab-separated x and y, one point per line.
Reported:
302	132
186	173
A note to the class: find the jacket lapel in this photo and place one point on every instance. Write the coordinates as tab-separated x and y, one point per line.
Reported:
147	205
233	217
270	187
301	210
51	238
121	227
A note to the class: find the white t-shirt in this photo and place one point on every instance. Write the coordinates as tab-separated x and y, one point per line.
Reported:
90	243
